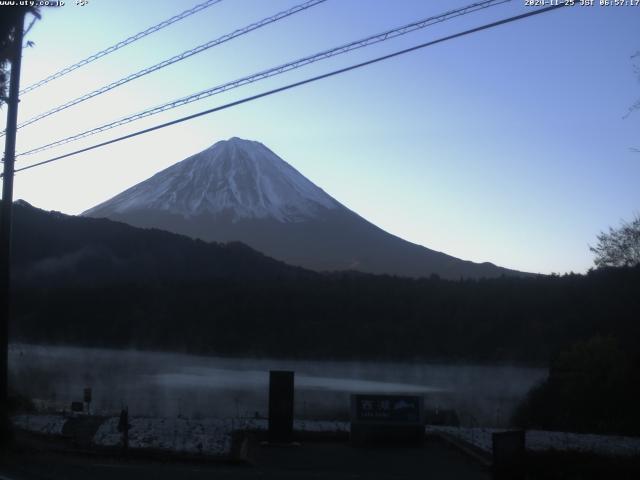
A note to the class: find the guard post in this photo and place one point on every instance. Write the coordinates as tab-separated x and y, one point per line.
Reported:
87	399
508	454
281	406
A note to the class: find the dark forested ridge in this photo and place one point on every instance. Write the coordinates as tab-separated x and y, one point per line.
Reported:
97	282
97	252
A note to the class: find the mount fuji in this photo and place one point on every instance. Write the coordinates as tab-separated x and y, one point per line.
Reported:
239	190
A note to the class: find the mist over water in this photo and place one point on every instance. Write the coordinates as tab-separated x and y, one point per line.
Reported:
165	384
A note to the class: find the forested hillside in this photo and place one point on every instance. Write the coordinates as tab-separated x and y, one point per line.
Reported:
96	282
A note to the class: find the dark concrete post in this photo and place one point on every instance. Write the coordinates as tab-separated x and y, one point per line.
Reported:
123	427
87	399
508	454
281	406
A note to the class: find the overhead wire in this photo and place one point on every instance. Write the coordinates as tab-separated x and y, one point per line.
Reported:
301	62
302	82
120	44
176	58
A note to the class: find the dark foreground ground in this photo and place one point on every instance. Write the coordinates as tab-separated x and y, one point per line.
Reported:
35	457
324	459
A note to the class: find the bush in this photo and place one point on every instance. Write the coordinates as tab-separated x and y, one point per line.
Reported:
592	387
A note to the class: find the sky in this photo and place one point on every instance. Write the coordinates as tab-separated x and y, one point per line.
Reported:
510	145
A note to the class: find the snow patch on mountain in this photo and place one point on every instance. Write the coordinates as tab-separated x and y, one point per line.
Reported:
240	177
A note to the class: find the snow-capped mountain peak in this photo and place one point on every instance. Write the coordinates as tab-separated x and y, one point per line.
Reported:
239	190
236	177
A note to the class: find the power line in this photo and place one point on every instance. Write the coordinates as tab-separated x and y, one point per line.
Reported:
380	37
300	83
186	54
119	45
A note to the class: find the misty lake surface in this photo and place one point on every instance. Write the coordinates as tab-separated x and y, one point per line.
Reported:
167	384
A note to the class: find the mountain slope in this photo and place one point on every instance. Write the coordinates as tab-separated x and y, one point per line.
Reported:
242	179
53	249
239	190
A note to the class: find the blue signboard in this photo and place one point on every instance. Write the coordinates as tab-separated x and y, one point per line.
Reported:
406	409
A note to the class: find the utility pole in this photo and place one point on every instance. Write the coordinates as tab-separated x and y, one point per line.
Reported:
5	224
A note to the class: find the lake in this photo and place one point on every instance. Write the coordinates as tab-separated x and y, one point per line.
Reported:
168	384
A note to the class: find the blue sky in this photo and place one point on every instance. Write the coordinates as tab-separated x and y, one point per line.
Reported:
507	146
